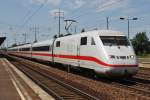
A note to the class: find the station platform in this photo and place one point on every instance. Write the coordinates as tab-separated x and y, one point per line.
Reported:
14	85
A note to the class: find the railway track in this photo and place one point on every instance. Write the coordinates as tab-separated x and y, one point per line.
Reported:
145	71
144	74
56	88
139	84
134	86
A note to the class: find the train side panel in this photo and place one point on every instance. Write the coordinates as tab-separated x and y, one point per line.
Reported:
42	50
65	51
71	51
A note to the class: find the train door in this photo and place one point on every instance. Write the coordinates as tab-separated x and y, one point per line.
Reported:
31	49
82	50
73	49
53	47
78	54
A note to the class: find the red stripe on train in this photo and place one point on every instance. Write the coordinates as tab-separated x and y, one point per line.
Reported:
88	58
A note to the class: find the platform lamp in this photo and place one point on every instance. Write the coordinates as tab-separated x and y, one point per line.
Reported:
128	19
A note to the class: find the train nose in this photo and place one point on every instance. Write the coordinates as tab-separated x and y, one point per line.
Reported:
126	72
130	72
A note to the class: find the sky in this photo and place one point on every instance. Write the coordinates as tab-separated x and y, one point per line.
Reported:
18	17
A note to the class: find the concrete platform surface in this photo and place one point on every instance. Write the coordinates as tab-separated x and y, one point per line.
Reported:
7	89
14	85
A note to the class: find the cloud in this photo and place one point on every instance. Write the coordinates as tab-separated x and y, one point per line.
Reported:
52	2
79	3
74	4
109	4
86	3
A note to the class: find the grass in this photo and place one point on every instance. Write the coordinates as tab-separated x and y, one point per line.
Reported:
144	56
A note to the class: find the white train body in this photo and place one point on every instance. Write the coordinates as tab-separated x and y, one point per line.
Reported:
106	52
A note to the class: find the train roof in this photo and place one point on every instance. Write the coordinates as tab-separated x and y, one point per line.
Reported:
43	43
103	33
91	33
96	33
22	46
10	48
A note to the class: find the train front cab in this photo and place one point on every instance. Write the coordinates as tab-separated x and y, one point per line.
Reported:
118	56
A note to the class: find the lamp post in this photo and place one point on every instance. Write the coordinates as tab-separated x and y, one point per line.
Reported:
107	23
128	19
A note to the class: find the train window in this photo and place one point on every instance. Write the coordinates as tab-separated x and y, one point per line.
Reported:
83	41
14	49
34	48
50	48
115	40
41	48
92	41
58	44
25	49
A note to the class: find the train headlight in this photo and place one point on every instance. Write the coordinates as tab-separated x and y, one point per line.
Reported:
112	56
132	56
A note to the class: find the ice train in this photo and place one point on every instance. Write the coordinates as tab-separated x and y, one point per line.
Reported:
105	52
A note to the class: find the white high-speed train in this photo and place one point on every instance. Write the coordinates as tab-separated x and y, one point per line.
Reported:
105	52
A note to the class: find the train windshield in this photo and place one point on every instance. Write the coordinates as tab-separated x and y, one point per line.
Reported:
115	40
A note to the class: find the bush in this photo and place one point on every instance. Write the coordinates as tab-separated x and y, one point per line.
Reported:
141	43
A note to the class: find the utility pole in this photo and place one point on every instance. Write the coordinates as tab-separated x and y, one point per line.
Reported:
35	30
14	34
25	37
59	15
75	29
107	23
128	29
15	39
6	43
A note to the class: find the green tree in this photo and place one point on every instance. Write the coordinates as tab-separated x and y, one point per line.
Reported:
141	43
